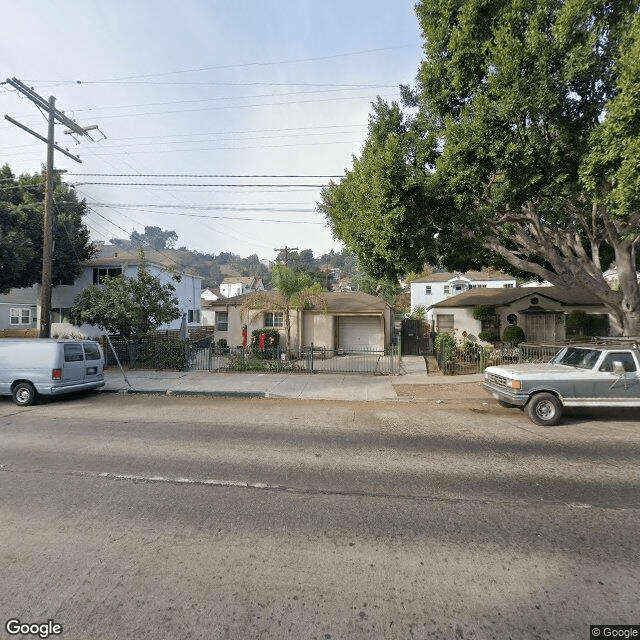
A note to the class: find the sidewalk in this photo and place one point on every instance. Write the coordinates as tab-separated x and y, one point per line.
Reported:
319	386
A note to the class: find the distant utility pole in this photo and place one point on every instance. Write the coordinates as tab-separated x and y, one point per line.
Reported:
286	253
47	241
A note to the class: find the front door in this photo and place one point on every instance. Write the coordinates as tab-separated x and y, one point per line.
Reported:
540	327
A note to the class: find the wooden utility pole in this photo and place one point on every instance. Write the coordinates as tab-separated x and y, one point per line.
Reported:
286	253
47	235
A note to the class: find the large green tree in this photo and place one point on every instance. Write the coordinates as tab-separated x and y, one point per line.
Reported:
21	212
127	306
518	149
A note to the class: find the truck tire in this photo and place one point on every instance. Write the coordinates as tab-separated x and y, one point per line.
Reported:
24	394
544	409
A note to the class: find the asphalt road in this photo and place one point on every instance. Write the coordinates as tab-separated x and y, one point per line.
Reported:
168	517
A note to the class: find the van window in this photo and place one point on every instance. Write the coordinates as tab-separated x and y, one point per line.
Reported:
91	351
73	353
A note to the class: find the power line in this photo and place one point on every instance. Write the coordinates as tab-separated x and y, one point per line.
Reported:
232	66
234	218
179	184
199	175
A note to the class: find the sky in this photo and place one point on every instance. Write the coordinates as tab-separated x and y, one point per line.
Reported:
219	119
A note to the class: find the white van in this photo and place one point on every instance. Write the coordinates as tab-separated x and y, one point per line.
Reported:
48	367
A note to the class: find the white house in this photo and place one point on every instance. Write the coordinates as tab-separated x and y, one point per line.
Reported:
233	286
436	287
20	308
210	294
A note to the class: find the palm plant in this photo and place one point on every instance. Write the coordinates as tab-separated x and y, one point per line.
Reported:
293	291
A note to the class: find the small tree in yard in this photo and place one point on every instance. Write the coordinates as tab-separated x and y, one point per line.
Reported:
127	306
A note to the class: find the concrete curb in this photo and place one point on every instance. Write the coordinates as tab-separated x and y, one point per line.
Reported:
187	392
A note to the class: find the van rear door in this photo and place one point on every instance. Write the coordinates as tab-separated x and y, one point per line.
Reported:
74	365
93	361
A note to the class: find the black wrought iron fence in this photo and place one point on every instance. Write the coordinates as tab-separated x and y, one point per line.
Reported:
205	355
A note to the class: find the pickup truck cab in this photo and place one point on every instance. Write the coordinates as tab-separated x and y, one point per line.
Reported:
48	367
577	376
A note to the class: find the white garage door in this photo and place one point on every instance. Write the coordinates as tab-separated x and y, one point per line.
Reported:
360	333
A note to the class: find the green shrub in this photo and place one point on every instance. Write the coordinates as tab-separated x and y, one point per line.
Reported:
577	322
447	342
484	312
488	336
513	334
163	355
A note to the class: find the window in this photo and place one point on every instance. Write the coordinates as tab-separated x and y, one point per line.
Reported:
60	315
100	273
427	290
73	353
222	321
274	319
444	323
193	315
447	289
625	358
91	351
19	316
509	285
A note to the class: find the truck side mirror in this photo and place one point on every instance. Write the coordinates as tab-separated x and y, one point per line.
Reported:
618	368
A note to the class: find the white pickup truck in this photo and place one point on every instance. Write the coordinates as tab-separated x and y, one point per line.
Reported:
577	376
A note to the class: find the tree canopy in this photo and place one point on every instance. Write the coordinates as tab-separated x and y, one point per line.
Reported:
518	150
127	306
21	229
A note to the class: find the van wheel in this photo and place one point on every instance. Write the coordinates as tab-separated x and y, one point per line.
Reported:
24	394
544	409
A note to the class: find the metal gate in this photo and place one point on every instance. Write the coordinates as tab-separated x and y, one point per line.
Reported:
415	340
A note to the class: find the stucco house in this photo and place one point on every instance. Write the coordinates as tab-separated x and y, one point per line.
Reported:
352	320
20	308
436	287
211	294
233	286
540	311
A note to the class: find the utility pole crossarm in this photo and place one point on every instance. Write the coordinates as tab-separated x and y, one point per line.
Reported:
286	253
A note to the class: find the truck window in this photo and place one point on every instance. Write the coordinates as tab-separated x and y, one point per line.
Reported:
73	353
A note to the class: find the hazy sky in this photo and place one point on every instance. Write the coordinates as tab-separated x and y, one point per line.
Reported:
205	90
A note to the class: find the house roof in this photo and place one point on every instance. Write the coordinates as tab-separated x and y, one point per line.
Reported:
28	295
248	280
476	276
112	255
502	296
354	302
337	302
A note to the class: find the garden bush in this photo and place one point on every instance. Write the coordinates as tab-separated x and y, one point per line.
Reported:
513	334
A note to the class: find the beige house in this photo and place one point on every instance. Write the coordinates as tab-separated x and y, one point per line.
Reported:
540	311
353	320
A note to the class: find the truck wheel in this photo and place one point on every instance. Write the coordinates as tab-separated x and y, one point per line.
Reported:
544	409
24	394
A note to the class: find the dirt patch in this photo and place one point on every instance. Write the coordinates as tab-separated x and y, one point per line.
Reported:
464	391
